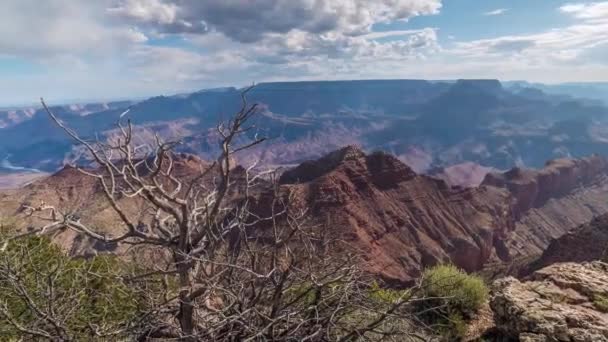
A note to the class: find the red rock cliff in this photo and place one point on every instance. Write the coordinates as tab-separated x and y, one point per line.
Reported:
401	221
549	202
533	188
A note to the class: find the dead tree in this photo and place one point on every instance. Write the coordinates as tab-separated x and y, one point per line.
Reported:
246	268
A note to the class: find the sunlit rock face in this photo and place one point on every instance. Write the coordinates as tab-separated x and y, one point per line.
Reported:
557	303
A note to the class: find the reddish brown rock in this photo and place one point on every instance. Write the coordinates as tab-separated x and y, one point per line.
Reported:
533	188
588	242
401	221
550	202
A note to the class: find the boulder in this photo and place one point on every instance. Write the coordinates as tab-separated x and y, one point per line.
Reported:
557	303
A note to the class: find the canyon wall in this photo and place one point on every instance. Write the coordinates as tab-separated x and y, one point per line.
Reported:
551	201
398	221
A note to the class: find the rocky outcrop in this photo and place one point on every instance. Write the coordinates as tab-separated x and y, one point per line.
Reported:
400	221
559	177
563	302
404	222
72	191
550	202
588	242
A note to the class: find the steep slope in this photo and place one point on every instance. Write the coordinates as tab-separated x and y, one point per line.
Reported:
551	201
72	192
401	221
588	242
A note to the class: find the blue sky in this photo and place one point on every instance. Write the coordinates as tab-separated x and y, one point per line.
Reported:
465	19
69	50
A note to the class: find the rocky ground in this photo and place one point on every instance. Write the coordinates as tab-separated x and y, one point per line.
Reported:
562	302
16	180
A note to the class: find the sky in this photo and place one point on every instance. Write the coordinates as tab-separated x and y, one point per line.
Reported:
68	50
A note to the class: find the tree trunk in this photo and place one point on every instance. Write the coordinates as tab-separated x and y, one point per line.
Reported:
186	304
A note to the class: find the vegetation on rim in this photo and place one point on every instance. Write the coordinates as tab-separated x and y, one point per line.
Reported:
452	298
236	263
47	295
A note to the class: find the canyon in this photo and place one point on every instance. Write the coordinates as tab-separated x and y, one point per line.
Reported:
429	125
403	221
399	221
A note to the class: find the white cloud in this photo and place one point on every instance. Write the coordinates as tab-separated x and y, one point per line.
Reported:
594	11
559	45
104	48
224	41
154	64
298	44
302	32
393	34
249	21
146	11
498	11
44	29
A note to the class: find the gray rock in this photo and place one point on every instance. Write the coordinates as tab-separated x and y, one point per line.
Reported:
553	304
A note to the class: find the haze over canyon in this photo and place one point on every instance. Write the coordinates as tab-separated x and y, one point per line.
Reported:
304	170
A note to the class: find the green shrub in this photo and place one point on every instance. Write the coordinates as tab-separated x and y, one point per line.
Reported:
463	292
386	295
601	302
450	297
88	296
451	328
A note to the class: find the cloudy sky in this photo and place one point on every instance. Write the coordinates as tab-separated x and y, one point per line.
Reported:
76	50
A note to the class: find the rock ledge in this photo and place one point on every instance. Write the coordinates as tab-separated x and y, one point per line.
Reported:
557	303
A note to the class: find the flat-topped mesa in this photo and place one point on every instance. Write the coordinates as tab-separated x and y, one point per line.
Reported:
533	188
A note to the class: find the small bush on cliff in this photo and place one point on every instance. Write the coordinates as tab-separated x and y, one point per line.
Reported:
43	290
601	302
462	292
453	297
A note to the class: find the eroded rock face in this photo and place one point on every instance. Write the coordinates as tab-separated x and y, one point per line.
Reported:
551	201
557	303
533	188
400	221
403	222
588	242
